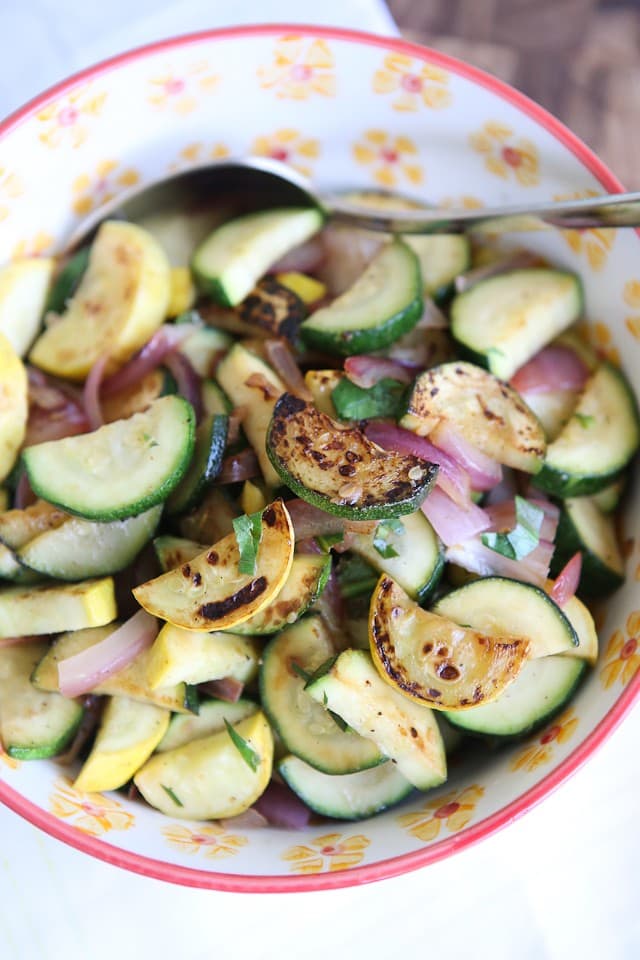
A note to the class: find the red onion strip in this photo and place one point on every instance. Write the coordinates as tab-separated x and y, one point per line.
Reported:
84	671
304	258
555	368
503	517
366	371
187	380
238	467
164	341
474	556
12	641
225	688
282	808
484	472
453	523
567	581
91	392
279	355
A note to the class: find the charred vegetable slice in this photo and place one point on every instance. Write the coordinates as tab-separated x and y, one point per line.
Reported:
119	470
404	731
384	303
216	776
121	301
274	308
172	552
506	319
433	659
336	468
305	583
481	409
502	607
210	593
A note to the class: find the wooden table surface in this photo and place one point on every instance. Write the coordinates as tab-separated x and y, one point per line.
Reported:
578	58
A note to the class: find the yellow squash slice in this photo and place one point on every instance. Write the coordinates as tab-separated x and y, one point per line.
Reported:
434	660
57	607
195	656
210	593
13	405
121	301
24	285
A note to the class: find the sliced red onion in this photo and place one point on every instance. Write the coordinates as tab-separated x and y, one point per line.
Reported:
225	688
451	478
567	581
453	523
279	355
366	371
432	317
555	368
12	641
305	258
23	495
519	260
474	556
85	670
503	517
91	392
250	819
282	808
348	251
238	467
483	471
309	521
92	710
164	341
505	490
308	546
45	425
330	605
187	380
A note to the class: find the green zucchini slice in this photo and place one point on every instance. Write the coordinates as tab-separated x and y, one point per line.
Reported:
584	527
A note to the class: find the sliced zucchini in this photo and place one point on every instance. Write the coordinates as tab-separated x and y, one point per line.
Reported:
212	777
273	308
204	348
52	608
121	301
404	731
230	261
79	549
321	384
131	682
14	407
138	397
128	734
210	593
23	293
609	498
214	399
33	724
335	467
306	581
481	409
597	442
183	728
210	443
119	470
10	569
350	796
541	690
433	659
384	303
505	320
194	656
441	257
305	727
211	520
585	528
582	622
253	387
502	607
67	280
173	552
408	551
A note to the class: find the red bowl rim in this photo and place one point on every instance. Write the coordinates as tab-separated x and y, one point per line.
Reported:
404	863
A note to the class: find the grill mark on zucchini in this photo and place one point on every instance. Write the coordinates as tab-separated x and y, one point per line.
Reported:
220	608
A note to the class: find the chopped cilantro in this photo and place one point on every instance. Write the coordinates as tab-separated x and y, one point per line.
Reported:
248	531
381	537
524	537
246	751
173	796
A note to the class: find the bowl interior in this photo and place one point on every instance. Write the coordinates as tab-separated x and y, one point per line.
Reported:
346	110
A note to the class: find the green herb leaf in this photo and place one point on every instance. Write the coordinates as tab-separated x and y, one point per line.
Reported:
524	537
383	531
584	419
306	676
170	793
248	531
246	751
328	540
355	575
384	399
321	670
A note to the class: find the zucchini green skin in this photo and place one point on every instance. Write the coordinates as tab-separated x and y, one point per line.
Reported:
64	472
383	491
379	329
210	444
542	689
597	577
350	796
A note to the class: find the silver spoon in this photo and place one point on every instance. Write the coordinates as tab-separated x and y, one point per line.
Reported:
260	183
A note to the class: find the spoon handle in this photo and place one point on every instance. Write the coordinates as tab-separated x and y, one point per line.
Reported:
619	210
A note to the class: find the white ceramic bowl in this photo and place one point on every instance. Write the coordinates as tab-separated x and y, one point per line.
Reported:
346	109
